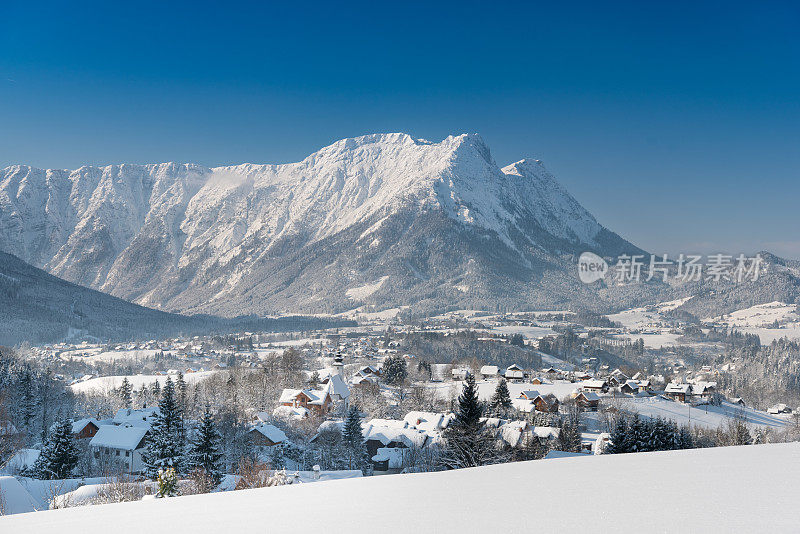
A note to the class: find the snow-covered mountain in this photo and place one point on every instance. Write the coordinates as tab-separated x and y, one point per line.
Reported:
381	218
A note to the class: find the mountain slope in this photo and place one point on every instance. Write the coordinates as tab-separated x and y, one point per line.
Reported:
38	307
381	218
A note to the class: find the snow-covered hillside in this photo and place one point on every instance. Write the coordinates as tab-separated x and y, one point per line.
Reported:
731	489
349	222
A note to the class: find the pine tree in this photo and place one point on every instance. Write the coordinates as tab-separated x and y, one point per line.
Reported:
569	436
59	456
27	399
353	440
181	387
394	370
619	437
205	449
467	442
500	403
125	391
165	444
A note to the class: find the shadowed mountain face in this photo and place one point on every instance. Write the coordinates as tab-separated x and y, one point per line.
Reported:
380	219
38	307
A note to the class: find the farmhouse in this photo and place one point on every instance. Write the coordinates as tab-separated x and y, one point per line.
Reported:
265	436
588	400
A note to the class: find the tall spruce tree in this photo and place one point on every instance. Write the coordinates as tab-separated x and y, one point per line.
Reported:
125	391
166	441
467	442
500	403
205	448
59	456
353	441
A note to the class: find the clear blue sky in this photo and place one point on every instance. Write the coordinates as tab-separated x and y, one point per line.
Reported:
678	126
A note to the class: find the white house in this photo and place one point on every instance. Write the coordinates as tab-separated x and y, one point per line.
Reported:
490	371
120	444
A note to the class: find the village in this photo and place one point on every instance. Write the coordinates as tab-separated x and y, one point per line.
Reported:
283	401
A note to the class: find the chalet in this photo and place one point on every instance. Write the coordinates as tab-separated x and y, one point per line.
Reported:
121	445
314	400
528	394
369	370
376	437
142	417
620	376
265	437
536	381
704	390
645	386
630	387
514	373
490	371
678	392
551	371
582	376
737	400
613	382
85	428
597	386
546	403
588	400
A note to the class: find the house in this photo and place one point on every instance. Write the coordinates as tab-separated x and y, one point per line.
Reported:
85	428
630	387
597	386
704	389
460	374
514	373
389	459
588	400
678	392
779	409
490	371
737	400
528	394
546	403
369	370
121	445
645	386
376	437
317	401
536	381
264	436
514	433
338	391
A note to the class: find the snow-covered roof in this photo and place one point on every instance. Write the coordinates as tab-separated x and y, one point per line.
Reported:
490	370
513	432
16	499
336	386
271	432
407	436
593	384
80	424
316	396
529	394
428	421
678	388
140	417
392	454
124	437
589	395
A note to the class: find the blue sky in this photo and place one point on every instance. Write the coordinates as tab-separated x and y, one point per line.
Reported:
677	125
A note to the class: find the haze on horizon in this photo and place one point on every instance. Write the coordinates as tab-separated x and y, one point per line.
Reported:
675	125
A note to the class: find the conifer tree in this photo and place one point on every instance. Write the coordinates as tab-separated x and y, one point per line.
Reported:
353	440
569	436
125	391
500	403
166	441
205	449
27	399
467	442
59	456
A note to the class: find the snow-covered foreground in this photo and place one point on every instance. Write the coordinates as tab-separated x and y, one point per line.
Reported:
729	489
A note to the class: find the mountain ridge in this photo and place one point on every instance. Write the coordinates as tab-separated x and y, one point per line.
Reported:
188	238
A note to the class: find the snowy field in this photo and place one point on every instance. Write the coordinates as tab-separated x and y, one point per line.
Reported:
760	319
700	490
108	383
706	416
